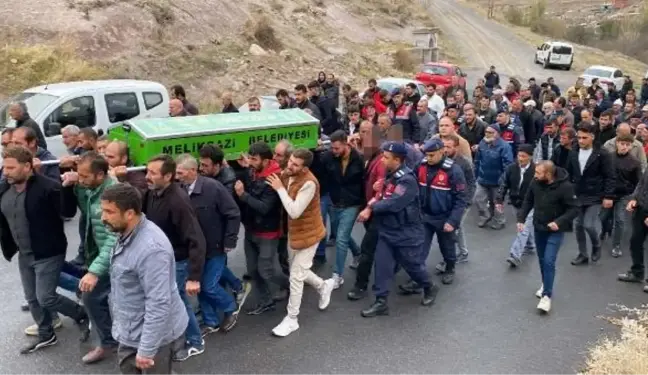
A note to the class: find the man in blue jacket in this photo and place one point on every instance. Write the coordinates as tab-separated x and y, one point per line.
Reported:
443	200
492	158
400	231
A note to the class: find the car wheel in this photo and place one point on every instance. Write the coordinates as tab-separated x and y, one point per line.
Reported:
568	67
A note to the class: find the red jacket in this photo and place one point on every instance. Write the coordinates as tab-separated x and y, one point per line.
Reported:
380	106
374	171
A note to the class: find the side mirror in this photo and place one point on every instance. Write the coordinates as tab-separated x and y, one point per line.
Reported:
53	129
464	75
100	132
539	48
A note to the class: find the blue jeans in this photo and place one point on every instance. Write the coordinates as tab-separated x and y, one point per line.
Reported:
523	240
343	220
547	246
212	296
193	330
325	202
70	277
229	280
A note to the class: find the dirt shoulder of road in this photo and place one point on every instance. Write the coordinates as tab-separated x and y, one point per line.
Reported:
584	56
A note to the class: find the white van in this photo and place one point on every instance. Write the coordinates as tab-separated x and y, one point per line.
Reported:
97	104
558	54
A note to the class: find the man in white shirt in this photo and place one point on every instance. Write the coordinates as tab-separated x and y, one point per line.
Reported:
435	102
298	190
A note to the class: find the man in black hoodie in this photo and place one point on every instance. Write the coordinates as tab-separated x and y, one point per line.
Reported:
628	174
606	128
554	205
592	172
326	106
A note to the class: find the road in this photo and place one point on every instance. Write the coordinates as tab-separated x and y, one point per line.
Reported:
484	323
484	43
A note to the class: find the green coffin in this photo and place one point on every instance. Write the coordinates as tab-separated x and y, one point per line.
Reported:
233	132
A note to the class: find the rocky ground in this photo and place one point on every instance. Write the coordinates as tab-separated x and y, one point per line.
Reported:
249	46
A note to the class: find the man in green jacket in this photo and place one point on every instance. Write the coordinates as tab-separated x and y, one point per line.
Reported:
83	189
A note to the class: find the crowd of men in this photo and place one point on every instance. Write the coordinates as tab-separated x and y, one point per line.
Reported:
407	167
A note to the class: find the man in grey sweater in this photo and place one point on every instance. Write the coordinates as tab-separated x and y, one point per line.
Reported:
149	317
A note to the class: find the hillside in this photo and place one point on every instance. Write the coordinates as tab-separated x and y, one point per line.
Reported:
204	44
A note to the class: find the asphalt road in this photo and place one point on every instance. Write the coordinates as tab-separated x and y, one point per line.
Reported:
486	322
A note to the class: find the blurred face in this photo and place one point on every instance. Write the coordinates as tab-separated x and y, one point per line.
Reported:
433	158
629	108
565	141
398	99
6	140
254	106
541	173
450	148
430	91
88	179
339	149
372	85
532	82
502	118
313	91
18	139
390	161
113	157
523	158
186	175
552	129
409	91
485	102
450	100
70	141
371	112
440	90
459	96
321	76
175	107
605	121
547	109
550	81
280	155
623	147
455	80
330	78
517	106
300	96
586	116
15	112
384	124
87	143
354	117
421	107
101	146
469	115
295	166
489	135
113	218
15	172
257	162
282	100
154	177
446	126
453	113
579	82
585	140
642	132
208	168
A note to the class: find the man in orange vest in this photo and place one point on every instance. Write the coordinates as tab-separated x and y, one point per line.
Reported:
298	190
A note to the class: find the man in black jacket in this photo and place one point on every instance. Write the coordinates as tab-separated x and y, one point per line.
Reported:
211	165
548	142
167	204
606	130
592	172
554	205
260	214
627	175
638	205
515	181
560	156
330	121
31	225
18	112
344	168
219	218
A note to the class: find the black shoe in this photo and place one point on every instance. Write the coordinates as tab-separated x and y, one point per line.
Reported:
84	327
630	277
24	307
39	344
579	260
409	288
357	294
247	277
261	308
596	254
429	295
281	295
229	322
447	278
379	307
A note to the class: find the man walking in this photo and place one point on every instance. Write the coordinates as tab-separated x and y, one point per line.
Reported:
298	190
149	316
554	205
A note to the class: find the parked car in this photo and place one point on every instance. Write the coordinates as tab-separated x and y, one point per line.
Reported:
440	73
555	54
605	75
267	102
97	104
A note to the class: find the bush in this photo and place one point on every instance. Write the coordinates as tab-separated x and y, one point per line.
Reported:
578	34
403	60
264	34
514	16
550	27
537	11
609	29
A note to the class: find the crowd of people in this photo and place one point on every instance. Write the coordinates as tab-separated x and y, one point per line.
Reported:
408	167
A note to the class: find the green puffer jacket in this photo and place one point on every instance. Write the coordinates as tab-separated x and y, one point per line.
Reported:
99	240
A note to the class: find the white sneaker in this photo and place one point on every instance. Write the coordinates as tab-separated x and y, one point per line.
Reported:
287	326
544	304
32	330
325	293
338	280
540	291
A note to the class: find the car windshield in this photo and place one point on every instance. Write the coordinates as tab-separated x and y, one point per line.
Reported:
436	70
598	73
389	86
35	103
562	50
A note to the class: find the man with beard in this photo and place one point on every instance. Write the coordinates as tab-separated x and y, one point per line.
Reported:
435	102
326	107
492	158
83	189
260	213
606	127
548	142
298	190
427	121
27	138
554	205
32	226
284	100
116	154
472	129
168	206
152	318
404	114
509	130
302	102
400	231
560	156
70	136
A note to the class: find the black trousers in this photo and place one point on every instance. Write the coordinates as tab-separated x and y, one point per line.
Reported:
162	360
639	232
367	254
